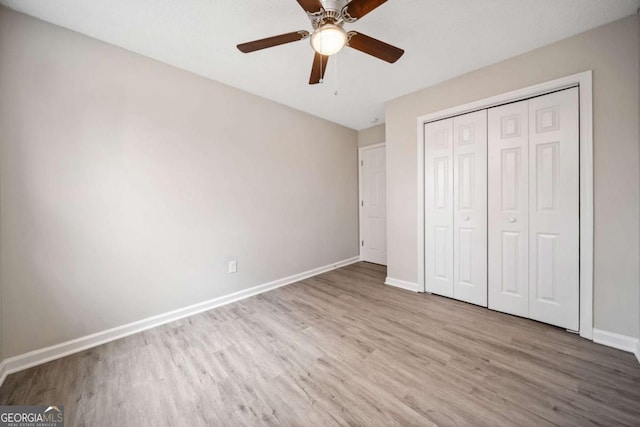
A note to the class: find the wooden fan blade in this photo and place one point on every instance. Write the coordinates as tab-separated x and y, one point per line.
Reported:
311	6
318	68
273	41
358	8
373	47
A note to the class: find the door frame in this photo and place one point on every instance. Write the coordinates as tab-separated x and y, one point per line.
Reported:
584	81
361	150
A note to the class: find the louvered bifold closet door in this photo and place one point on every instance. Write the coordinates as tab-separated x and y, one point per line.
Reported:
438	207
508	154
470	207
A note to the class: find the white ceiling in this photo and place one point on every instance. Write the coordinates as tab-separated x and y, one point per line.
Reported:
442	39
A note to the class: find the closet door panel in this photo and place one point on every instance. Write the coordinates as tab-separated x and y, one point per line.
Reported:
554	211
470	207
439	207
508	208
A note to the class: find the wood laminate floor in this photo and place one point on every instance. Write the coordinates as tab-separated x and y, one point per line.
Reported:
341	349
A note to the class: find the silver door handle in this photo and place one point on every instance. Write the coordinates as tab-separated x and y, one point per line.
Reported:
512	220
466	218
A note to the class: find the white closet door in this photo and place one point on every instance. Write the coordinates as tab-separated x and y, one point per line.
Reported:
508	208
470	207
439	207
554	209
373	209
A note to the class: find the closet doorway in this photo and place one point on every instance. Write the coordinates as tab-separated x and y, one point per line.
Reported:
505	203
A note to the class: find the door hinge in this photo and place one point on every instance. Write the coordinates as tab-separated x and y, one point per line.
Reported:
362	203
361	162
363	243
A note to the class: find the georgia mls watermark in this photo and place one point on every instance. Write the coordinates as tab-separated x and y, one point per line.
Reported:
32	416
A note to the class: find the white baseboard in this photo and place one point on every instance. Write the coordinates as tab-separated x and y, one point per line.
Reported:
409	286
621	342
47	354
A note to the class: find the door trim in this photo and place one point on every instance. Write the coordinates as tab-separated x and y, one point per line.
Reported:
584	81
361	150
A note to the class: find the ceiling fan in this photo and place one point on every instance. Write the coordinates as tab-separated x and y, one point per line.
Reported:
328	37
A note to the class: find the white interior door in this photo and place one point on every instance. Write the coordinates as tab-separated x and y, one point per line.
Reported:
470	207
508	199
373	205
439	207
554	209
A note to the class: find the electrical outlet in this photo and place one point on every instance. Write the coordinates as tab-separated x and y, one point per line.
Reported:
233	266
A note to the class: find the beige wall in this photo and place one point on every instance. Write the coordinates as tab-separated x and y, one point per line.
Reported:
611	52
372	135
127	185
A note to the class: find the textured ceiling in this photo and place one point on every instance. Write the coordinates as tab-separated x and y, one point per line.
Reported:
442	39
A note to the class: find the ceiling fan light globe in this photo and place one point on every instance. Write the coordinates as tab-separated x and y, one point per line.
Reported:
328	39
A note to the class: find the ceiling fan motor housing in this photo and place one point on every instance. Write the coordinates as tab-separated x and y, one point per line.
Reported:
332	13
334	5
